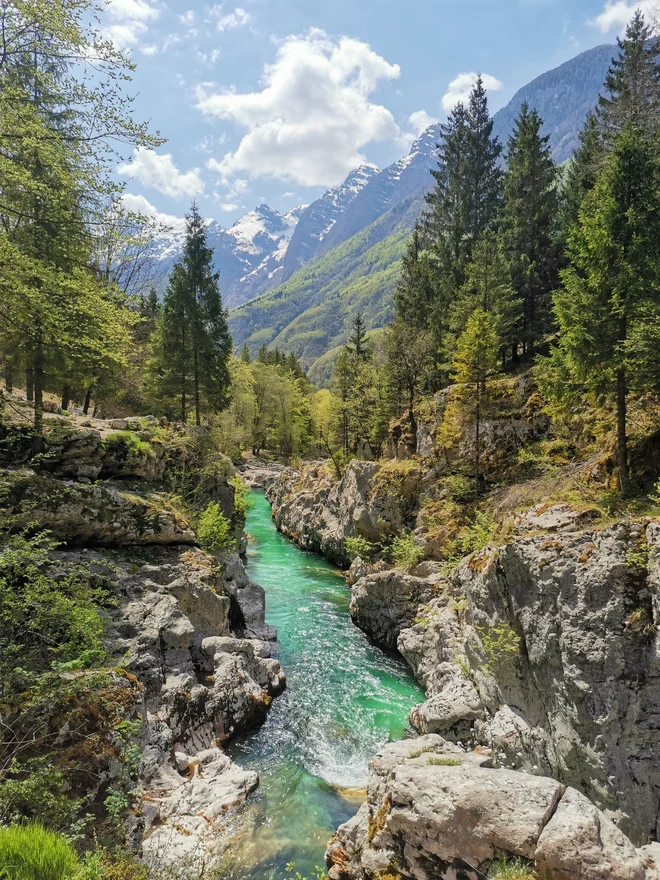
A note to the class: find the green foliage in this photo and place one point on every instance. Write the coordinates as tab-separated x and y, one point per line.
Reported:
292	874
46	617
405	551
214	530
127	443
444	762
360	547
501	646
242	500
30	852
36	790
514	868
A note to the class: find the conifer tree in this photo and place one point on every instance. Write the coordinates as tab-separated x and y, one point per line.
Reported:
632	86
474	360
483	177
611	286
415	296
488	287
580	176
245	354
196	345
528	221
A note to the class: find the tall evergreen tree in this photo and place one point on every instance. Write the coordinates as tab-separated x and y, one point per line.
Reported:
415	296
632	86
196	345
580	176
529	218
611	287
483	176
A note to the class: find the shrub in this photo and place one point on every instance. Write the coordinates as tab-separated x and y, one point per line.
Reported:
405	551
125	443
242	501
47	616
360	547
501	645
214	530
29	852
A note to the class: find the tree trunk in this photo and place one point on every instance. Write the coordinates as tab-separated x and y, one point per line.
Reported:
66	396
37	444
29	384
198	415
622	433
183	398
9	376
88	400
477	440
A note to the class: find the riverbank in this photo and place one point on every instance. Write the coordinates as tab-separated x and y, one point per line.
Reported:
345	699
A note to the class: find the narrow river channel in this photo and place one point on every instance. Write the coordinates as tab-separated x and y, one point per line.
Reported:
344	700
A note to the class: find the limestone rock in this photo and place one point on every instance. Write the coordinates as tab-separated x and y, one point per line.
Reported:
437	812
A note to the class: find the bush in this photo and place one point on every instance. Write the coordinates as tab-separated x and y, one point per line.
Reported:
47	616
242	500
405	551
29	852
214	530
360	547
125	443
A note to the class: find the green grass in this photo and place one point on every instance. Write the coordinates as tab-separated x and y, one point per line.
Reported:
29	852
445	762
511	869
126	443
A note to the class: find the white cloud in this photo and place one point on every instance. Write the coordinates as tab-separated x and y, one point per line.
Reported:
313	114
238	18
420	120
187	17
149	50
160	172
458	90
228	207
617	13
140	205
130	21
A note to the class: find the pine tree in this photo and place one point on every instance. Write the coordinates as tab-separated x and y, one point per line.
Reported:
245	354
357	344
464	203
409	354
632	86
474	360
529	218
611	287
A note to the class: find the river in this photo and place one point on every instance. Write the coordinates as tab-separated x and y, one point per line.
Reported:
344	700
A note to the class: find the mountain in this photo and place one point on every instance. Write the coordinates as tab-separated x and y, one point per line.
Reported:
319	218
355	264
264	248
248	256
563	97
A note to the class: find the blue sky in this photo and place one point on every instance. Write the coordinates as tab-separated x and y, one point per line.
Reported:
275	100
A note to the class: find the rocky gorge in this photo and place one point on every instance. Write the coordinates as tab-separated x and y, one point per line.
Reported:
538	652
188	662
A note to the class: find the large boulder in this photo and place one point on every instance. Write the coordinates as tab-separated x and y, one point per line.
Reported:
437	812
547	649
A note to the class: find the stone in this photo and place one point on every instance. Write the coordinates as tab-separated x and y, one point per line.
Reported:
435	811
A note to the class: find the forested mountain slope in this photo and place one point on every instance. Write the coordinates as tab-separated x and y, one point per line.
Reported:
357	264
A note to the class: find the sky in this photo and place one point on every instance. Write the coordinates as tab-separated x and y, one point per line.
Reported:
274	101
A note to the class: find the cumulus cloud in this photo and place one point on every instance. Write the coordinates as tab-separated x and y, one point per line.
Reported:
228	207
130	21
420	120
238	18
458	90
312	116
617	13
140	205
160	173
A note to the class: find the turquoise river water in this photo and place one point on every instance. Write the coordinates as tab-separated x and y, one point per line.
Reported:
344	700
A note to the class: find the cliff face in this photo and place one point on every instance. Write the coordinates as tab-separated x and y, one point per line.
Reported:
187	651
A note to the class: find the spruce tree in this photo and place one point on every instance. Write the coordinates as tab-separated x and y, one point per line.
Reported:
580	176
474	359
483	177
245	354
415	296
488	287
611	286
528	221
632	86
